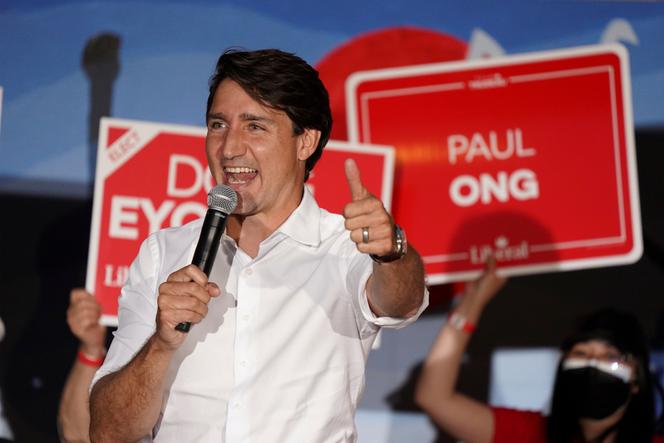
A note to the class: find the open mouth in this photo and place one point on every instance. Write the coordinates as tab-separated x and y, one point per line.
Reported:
239	175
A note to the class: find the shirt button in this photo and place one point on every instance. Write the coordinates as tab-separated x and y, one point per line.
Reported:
248	271
243	363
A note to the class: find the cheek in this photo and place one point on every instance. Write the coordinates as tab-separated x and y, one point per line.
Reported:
210	151
211	160
214	161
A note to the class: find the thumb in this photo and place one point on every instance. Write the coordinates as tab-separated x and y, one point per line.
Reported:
357	189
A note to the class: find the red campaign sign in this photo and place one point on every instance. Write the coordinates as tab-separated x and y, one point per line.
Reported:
152	176
528	158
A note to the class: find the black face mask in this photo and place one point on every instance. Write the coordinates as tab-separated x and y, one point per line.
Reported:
592	393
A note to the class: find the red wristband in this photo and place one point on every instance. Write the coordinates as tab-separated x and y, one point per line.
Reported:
88	361
461	323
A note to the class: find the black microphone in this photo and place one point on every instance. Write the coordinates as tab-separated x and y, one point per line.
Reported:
221	202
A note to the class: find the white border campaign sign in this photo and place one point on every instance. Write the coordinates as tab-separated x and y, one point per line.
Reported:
151	176
528	158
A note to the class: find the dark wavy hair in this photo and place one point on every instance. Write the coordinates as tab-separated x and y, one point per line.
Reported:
283	81
623	331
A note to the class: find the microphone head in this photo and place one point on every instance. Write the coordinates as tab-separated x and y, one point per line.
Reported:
222	198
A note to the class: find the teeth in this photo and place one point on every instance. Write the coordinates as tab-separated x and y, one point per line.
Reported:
239	170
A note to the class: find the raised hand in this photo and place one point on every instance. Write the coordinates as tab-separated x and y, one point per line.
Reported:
486	286
370	225
83	319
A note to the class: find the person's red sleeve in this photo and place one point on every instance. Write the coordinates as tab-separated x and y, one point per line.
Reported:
513	426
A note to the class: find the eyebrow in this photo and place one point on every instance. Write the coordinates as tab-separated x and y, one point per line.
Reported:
245	116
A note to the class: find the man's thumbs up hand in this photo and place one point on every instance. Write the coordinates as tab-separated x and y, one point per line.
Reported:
370	225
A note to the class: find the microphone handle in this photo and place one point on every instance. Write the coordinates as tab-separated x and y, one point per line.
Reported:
206	249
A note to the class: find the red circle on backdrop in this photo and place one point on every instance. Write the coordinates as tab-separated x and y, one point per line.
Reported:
386	48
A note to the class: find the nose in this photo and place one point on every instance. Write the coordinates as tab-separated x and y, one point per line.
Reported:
233	145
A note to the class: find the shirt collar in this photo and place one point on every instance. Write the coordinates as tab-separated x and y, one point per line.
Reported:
303	223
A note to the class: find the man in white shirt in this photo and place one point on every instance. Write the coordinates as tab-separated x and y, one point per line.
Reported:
283	326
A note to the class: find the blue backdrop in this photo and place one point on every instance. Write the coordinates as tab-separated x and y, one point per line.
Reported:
168	50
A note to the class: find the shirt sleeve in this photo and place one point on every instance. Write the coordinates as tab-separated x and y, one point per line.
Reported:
514	426
360	269
137	310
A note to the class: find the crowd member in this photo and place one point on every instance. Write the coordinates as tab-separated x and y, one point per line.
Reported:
83	319
603	391
283	326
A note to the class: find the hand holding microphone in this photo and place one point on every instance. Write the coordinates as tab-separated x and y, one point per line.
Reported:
184	296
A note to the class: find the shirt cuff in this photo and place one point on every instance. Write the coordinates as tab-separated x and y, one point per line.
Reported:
388	322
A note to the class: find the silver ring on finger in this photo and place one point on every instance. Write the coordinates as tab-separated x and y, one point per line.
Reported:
365	234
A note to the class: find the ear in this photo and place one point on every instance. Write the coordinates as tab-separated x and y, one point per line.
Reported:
308	141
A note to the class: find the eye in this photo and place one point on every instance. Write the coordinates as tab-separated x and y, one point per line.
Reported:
578	353
254	127
615	357
216	124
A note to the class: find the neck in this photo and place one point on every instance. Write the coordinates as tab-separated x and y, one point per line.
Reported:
249	231
602	430
596	436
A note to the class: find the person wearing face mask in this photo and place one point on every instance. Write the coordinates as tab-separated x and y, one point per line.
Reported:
603	387
603	391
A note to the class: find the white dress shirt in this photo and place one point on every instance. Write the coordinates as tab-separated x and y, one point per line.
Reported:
280	356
